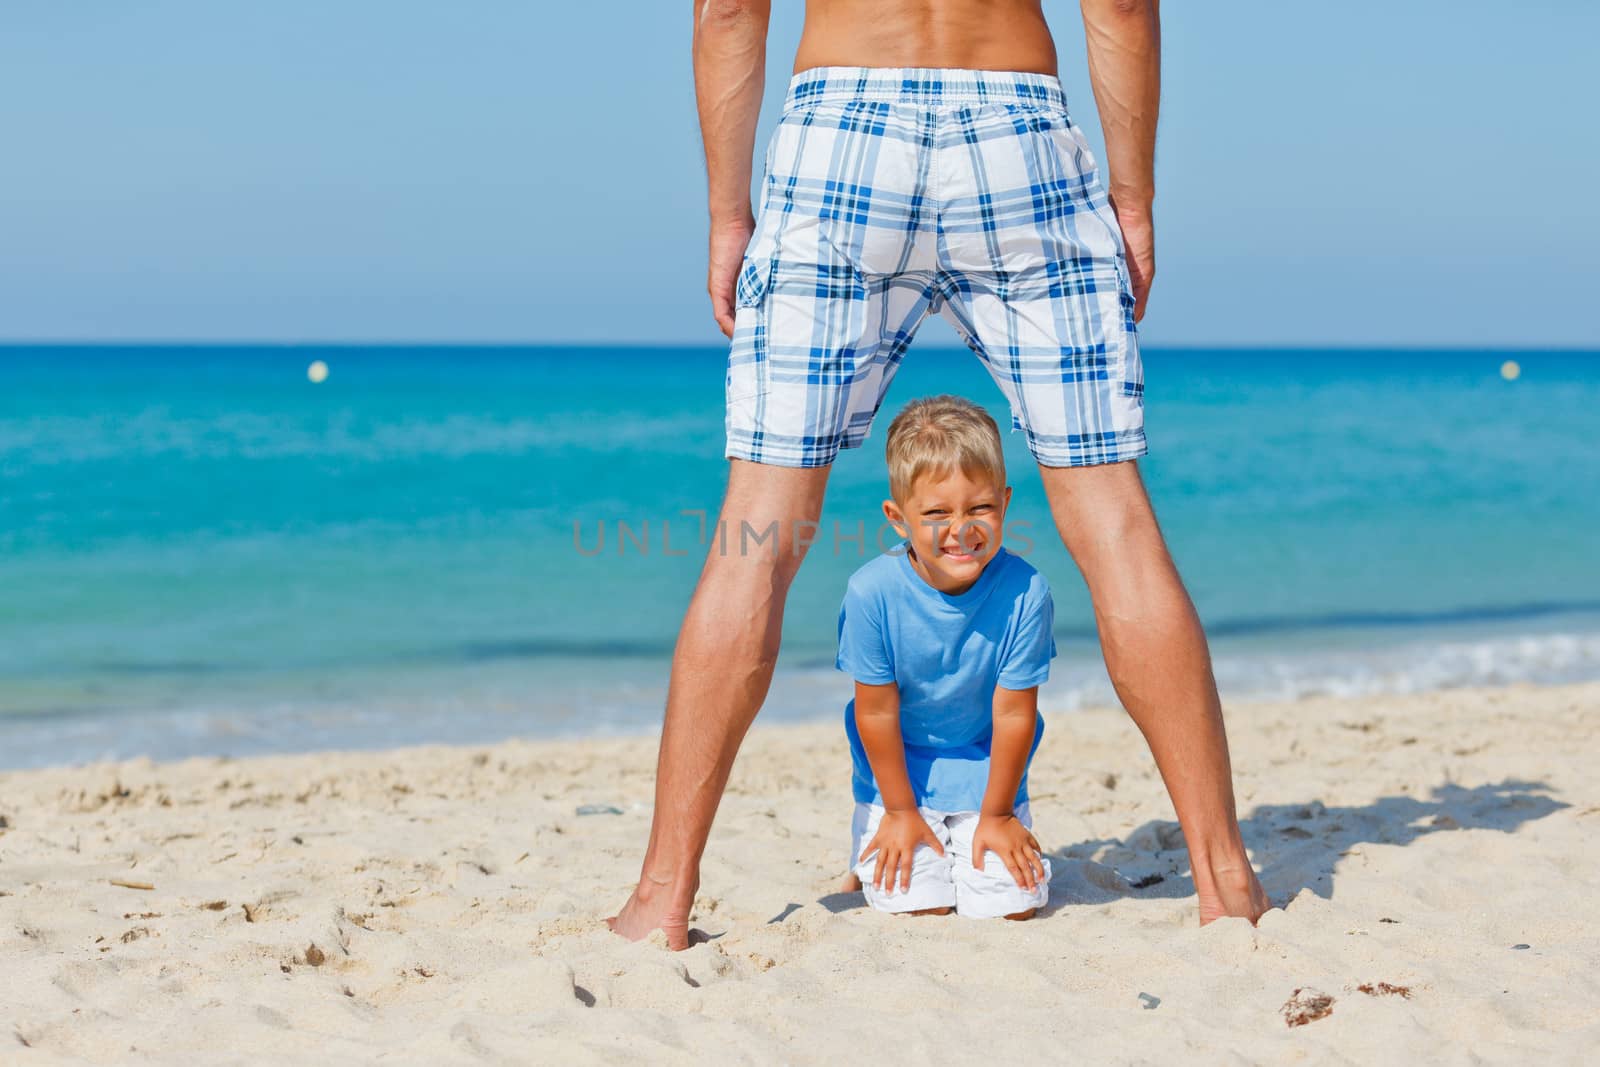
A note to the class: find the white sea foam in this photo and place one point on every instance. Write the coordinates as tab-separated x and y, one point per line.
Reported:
1260	673
590	698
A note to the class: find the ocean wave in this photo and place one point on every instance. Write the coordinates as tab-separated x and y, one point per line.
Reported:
591	697
1410	667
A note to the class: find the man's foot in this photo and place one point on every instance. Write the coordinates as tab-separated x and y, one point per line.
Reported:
930	911
654	907
1021	915
1232	891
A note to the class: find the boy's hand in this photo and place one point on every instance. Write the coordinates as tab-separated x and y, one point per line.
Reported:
899	834
1014	843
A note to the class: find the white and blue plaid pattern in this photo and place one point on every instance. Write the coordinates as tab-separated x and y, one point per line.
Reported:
892	192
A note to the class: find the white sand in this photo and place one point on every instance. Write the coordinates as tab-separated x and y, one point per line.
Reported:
455	901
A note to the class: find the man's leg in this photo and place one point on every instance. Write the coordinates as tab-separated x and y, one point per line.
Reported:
721	670
1156	654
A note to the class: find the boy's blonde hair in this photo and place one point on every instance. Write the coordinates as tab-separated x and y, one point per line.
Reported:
939	435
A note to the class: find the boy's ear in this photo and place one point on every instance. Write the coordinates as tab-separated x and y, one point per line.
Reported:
1008	496
891	511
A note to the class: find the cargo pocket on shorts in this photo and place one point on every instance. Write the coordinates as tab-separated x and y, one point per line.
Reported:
1130	366
1125	300
747	358
752	284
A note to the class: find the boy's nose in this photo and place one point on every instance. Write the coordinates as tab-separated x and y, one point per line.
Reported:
964	536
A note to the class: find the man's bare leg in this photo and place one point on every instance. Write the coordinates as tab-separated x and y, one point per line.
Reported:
1156	654
721	669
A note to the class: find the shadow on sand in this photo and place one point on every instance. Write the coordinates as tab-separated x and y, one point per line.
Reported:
1293	846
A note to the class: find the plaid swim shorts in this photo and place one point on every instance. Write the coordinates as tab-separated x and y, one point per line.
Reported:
891	192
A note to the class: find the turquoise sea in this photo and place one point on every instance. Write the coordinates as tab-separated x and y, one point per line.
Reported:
201	551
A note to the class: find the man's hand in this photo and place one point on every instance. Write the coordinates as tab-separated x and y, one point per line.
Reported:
1016	846
728	243
1139	239
899	834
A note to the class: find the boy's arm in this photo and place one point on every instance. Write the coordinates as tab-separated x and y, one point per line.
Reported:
1016	719
878	723
902	828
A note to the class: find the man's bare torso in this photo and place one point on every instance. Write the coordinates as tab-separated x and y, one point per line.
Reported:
975	34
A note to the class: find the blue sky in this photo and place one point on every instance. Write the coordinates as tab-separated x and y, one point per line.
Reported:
1366	173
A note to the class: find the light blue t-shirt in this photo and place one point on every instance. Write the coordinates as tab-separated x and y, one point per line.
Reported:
946	654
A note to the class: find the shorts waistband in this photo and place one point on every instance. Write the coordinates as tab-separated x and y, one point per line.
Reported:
926	86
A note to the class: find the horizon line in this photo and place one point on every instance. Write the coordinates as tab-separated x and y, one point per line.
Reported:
1567	349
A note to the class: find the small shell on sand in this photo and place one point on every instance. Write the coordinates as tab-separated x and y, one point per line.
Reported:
1306	1005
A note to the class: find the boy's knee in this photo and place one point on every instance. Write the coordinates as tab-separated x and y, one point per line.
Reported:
992	893
926	896
931	886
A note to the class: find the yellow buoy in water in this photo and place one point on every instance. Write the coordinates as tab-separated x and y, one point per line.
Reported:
317	372
1510	370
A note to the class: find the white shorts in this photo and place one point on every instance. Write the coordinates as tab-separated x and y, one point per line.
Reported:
948	881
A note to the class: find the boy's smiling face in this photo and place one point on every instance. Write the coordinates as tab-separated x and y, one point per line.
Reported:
954	523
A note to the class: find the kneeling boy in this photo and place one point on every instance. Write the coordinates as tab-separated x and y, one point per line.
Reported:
948	635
